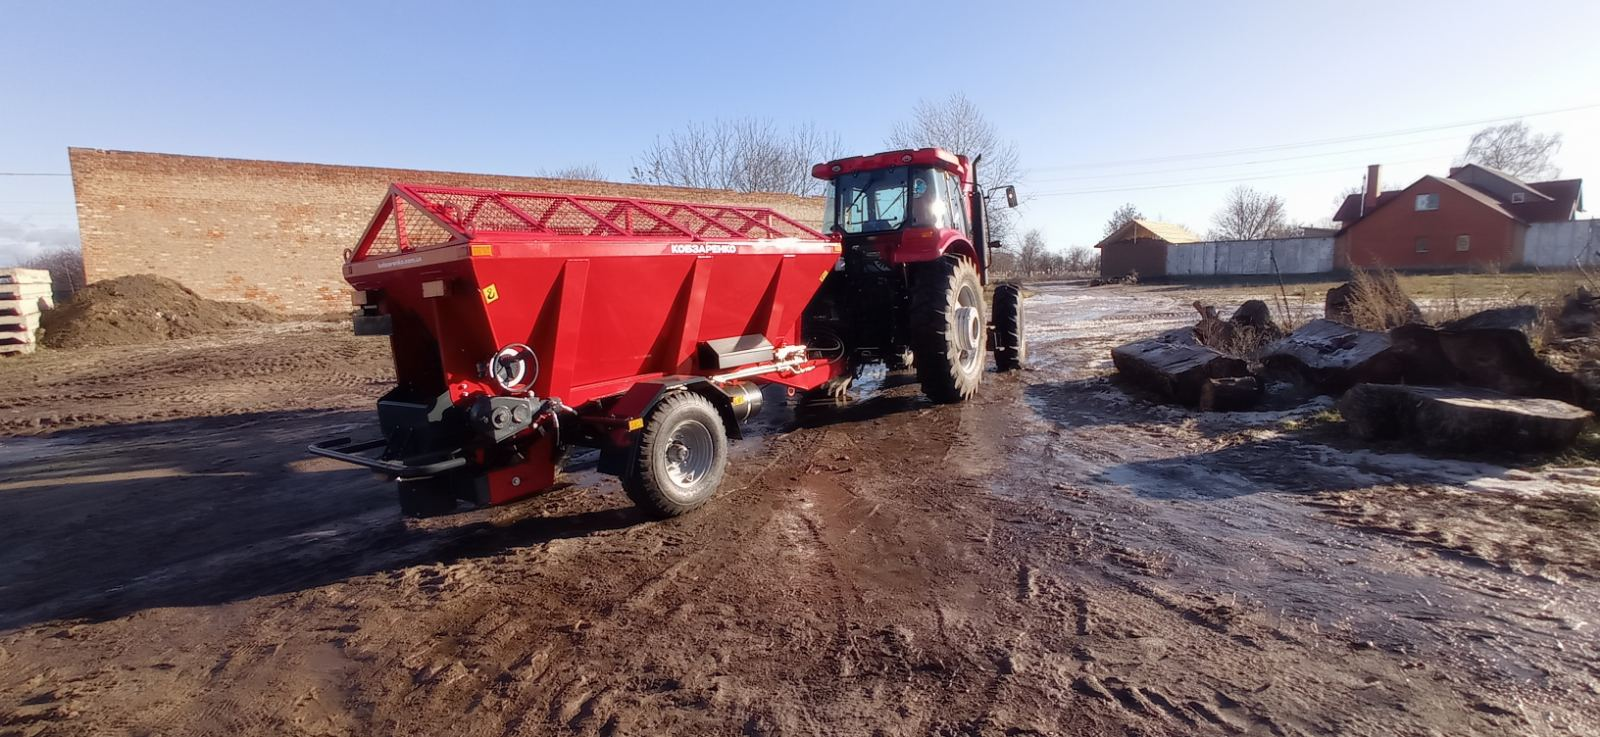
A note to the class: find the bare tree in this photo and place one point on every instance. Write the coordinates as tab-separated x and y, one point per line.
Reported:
580	172
1082	260
956	124
1121	216
1248	214
1515	149
65	265
744	155
1031	256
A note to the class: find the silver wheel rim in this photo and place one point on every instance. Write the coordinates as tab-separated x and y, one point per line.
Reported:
1021	348
969	328
689	455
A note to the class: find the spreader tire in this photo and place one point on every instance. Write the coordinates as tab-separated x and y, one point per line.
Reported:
947	328
680	457
1011	348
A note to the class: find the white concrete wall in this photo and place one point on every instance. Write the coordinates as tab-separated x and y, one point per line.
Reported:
1293	256
1562	245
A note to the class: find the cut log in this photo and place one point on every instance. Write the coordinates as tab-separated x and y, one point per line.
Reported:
1177	367
1461	419
1380	301
1332	357
1243	335
1520	318
1254	313
1492	349
1579	316
1229	393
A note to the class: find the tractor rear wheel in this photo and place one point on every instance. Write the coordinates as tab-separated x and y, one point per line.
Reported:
947	328
1011	348
679	458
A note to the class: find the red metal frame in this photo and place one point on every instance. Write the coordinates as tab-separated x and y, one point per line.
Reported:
467	214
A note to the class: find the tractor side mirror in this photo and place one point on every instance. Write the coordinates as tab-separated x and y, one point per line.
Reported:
1011	196
996	244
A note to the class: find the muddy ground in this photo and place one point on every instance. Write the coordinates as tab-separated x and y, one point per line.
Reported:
1055	557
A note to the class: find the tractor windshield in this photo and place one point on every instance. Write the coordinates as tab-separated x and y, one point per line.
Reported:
889	199
869	201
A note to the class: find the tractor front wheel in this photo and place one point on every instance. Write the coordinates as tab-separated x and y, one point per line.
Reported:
679	458
1011	348
947	328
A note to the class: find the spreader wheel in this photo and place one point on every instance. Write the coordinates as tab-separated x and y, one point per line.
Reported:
947	328
679	458
1011	348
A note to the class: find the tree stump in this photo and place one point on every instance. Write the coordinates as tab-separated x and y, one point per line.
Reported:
1492	349
1332	357
1175	366
1461	419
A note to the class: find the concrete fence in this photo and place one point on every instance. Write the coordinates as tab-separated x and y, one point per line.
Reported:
1562	245
1292	255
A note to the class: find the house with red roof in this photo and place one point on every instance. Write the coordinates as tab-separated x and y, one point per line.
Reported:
1476	216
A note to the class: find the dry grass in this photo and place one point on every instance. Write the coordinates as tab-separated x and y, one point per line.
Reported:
1378	302
1441	297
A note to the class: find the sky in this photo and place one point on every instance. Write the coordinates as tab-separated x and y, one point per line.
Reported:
1167	105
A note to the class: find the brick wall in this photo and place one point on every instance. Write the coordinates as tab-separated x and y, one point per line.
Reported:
275	232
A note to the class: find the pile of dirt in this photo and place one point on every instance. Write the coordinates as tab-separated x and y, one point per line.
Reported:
141	309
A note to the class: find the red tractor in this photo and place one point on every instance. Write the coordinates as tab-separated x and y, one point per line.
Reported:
909	287
524	324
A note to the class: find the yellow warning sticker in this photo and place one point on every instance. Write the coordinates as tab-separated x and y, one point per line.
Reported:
482	249
490	294
824	276
635	424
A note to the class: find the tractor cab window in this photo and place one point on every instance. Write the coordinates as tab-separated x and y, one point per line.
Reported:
869	201
930	199
957	200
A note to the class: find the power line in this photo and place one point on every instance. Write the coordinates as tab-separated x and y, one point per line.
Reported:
1318	142
1248	163
32	174
1210	181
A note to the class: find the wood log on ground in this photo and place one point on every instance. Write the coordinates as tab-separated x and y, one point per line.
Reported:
1464	419
1254	313
1229	393
1579	316
1381	301
1492	349
1332	357
1180	369
1243	335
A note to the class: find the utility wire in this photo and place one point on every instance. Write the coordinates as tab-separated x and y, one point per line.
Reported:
1231	180
1318	142
32	174
1242	163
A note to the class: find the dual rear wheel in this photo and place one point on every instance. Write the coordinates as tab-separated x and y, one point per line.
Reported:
950	328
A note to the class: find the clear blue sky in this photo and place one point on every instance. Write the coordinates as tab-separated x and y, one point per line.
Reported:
517	88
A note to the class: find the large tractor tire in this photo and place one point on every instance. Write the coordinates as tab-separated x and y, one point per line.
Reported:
1011	348
948	329
680	457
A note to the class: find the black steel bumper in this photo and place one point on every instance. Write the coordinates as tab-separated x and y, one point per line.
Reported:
421	466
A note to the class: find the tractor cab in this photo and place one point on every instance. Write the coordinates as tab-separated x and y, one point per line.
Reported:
908	288
904	207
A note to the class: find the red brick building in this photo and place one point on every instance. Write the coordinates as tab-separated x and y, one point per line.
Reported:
1477	216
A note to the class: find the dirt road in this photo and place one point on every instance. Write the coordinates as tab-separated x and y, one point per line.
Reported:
1056	557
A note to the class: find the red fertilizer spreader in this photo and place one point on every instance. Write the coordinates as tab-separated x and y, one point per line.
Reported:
523	324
